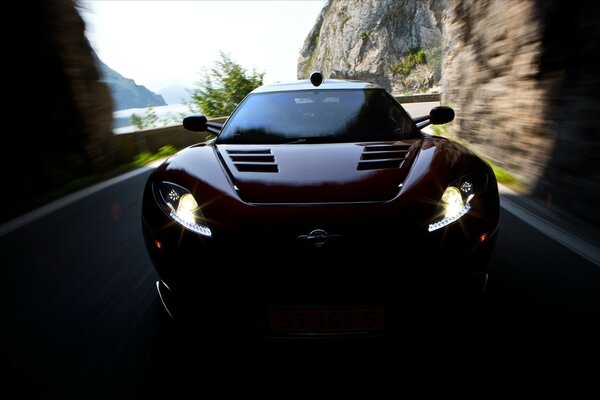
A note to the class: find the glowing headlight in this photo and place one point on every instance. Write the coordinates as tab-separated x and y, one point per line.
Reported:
182	207
186	208
454	204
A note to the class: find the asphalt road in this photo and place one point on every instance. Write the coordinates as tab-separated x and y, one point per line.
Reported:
81	318
419	109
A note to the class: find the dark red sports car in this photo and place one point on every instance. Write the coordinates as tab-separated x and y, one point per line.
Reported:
319	209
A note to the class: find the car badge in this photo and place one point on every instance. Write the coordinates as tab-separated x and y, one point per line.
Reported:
318	237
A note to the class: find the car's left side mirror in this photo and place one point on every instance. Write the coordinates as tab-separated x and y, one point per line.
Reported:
438	115
441	115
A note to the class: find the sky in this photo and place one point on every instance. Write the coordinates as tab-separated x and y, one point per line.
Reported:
166	43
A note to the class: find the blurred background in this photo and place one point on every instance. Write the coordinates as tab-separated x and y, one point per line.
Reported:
520	75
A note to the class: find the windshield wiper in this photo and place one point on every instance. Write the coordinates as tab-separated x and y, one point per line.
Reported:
295	140
313	139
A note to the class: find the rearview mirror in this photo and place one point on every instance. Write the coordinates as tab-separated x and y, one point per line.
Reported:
441	115
195	123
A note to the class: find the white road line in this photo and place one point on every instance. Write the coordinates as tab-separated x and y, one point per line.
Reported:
586	250
65	201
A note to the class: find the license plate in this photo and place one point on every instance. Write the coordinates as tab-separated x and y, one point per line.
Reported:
368	319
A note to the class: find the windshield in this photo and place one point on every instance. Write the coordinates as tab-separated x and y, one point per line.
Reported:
345	115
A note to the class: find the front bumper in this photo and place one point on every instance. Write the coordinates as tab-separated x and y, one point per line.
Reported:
232	286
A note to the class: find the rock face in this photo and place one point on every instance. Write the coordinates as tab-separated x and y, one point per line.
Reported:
69	132
493	52
365	39
524	83
521	76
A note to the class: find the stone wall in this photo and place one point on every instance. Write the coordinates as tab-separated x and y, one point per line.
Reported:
522	78
491	79
64	111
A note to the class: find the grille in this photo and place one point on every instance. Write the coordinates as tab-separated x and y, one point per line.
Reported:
382	157
253	160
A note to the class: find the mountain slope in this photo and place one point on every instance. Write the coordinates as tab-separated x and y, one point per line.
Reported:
125	92
175	94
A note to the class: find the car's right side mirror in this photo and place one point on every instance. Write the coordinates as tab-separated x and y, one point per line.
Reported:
195	123
441	115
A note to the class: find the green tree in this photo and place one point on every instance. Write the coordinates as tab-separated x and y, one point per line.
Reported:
137	121
432	47
409	61
224	87
148	120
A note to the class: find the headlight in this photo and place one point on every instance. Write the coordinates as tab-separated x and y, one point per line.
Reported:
181	206
455	201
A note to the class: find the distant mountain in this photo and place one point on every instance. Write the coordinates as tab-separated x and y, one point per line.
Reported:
175	94
125	92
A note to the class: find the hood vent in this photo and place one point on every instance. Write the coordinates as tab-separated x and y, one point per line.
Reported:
253	160
382	157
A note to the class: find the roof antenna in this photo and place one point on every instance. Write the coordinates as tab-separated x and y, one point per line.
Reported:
316	78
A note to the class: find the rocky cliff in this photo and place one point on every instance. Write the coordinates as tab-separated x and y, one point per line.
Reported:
390	42
521	76
65	112
523	80
492	79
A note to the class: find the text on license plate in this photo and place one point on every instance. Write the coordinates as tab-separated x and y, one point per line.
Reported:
326	320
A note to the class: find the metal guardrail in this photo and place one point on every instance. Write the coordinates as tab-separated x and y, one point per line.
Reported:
419	98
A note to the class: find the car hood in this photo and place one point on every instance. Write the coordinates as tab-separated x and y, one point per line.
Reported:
318	173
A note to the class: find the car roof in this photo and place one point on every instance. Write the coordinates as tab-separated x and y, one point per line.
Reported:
328	84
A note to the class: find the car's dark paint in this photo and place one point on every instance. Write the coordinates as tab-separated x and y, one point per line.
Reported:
307	225
334	172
